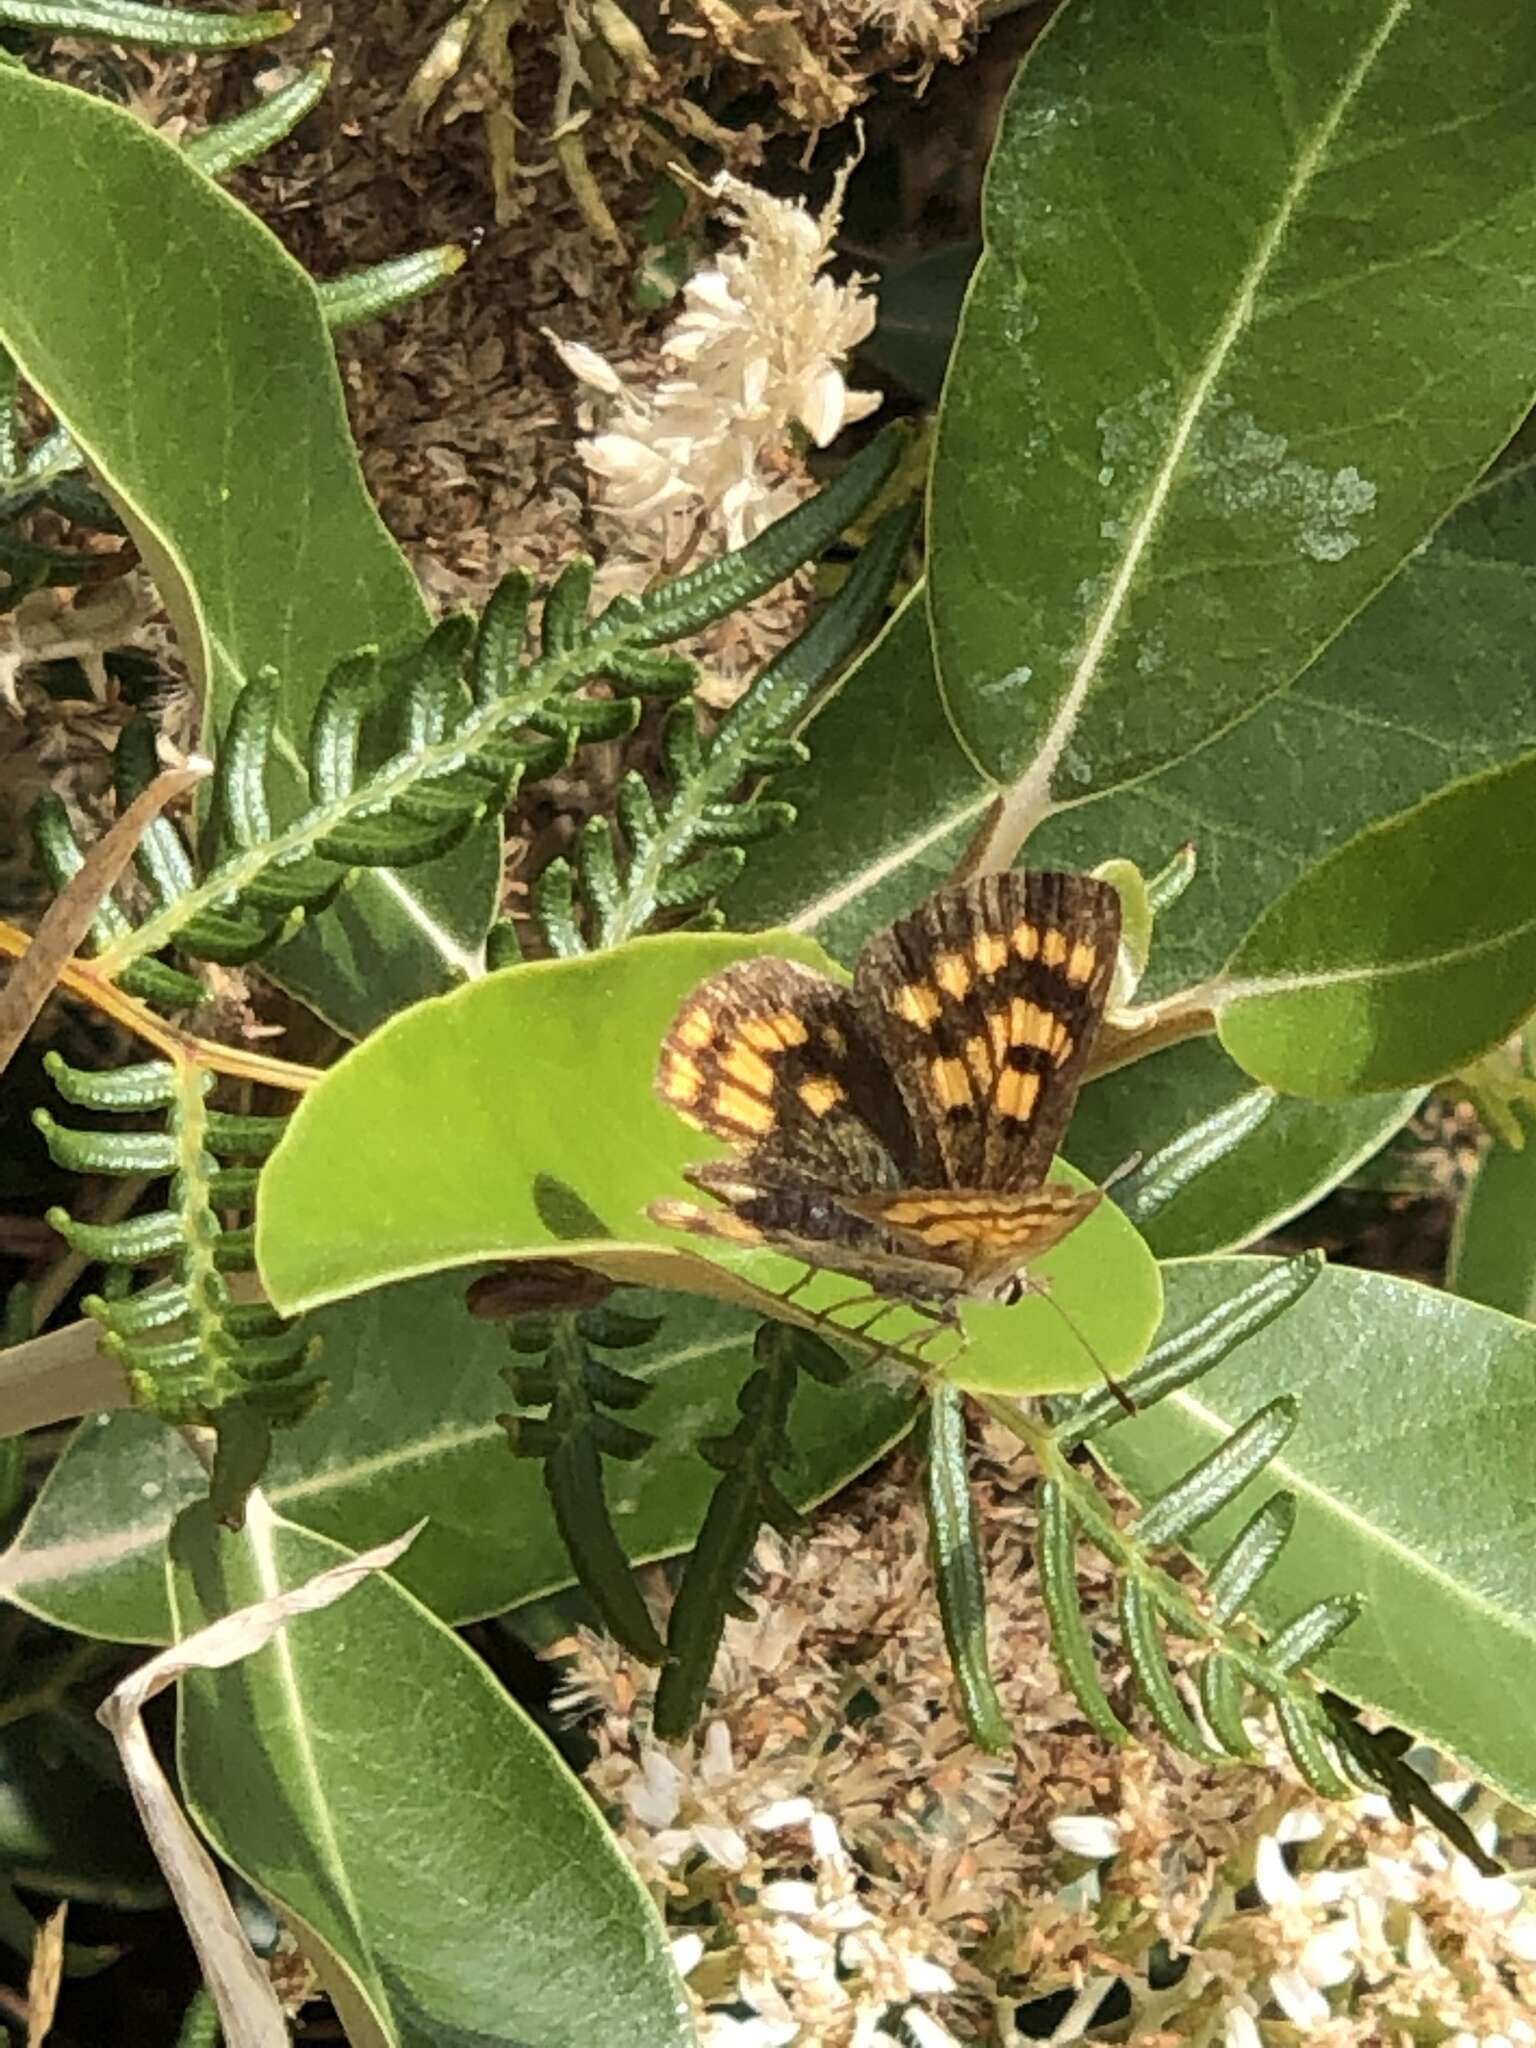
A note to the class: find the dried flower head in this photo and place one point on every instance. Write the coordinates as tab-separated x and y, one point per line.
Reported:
853	1872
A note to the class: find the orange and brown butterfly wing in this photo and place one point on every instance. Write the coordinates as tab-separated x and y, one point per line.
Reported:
775	1059
984	1236
985	1004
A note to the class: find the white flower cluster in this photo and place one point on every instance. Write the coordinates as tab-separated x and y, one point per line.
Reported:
757	350
1373	1923
815	1964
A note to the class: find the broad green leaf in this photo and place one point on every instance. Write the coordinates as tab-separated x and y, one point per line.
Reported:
409	1430
1222	1159
517	1117
186	353
1428	685
1493	1252
1404	955
449	1867
1145	517
1411	1470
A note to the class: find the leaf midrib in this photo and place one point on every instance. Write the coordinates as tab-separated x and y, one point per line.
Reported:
1223	992
1029	801
125	1542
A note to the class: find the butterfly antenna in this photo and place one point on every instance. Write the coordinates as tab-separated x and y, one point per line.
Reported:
1081	1335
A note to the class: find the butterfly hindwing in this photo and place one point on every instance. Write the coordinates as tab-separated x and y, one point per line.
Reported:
985	1003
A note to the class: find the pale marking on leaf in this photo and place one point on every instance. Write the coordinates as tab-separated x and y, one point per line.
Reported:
1030	800
472	965
260	1528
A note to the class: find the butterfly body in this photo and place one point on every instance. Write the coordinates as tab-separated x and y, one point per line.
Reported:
900	1131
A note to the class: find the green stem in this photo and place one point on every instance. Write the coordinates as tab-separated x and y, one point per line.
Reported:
1164	1592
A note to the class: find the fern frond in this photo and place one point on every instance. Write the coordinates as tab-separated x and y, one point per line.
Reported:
684	843
747	1497
154	28
404	757
191	1352
1236	1667
578	1389
1236	1664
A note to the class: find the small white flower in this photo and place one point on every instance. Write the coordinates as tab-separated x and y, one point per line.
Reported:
587	366
1087	1835
687	1953
1239	2029
721	1845
656	1794
1302	2004
756	350
1418	1949
925	2029
782	1813
827	1843
805	1953
927	1979
1374	1806
1330	1957
1491	1896
1301	1824
718	1762
791	1895
1272	1874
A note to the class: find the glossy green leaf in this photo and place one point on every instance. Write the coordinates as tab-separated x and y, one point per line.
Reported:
409	1430
1404	955
1428	685
1222	1159
884	808
449	1869
1146	517
1411	1471
1493	1252
517	1118
238	481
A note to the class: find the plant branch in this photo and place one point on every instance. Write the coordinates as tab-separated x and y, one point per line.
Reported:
41	964
83	978
1135	1033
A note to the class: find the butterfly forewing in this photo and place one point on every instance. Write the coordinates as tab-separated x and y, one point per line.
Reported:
985	1003
775	1059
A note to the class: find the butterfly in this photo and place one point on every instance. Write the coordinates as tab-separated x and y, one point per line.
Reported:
901	1130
